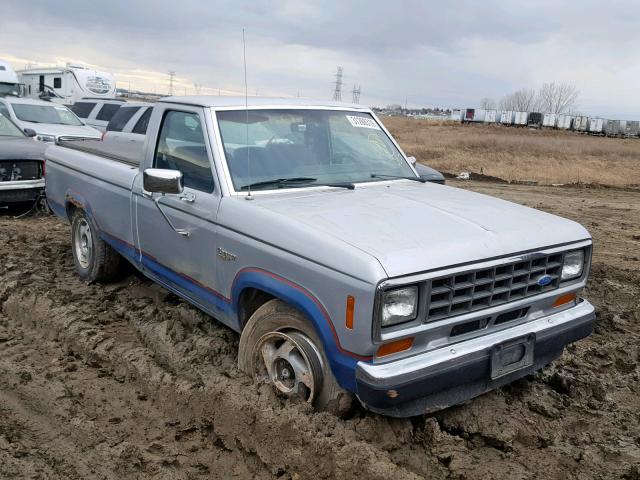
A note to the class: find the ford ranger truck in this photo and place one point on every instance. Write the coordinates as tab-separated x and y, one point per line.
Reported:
304	227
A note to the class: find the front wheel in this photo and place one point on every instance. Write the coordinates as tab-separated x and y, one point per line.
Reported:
95	261
280	347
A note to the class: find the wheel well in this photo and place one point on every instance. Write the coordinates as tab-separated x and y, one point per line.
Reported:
70	209
251	299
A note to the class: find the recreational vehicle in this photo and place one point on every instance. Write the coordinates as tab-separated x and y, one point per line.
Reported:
67	85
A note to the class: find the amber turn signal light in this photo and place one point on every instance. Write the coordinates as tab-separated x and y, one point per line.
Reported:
564	299
395	347
351	307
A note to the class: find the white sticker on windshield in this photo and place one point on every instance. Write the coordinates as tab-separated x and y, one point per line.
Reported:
362	122
60	108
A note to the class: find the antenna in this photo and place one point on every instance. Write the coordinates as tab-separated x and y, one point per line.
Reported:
246	109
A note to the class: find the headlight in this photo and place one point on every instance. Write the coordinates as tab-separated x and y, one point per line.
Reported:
573	265
46	138
399	305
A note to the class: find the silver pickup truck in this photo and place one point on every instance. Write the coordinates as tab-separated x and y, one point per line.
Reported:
304	227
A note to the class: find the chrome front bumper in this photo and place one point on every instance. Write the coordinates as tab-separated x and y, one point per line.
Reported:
21	185
450	375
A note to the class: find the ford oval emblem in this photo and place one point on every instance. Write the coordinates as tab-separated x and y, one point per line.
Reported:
544	280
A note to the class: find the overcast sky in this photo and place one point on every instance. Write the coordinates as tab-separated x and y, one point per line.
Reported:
449	53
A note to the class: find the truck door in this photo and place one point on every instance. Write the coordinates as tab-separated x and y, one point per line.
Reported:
179	251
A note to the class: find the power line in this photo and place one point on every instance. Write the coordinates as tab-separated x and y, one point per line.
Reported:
337	93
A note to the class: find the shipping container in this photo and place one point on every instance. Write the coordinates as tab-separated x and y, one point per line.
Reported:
520	118
550	120
535	119
581	124
456	115
596	125
612	128
491	116
479	115
632	128
506	117
565	122
469	115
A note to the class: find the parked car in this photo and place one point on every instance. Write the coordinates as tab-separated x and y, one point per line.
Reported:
129	123
48	120
303	226
21	164
96	113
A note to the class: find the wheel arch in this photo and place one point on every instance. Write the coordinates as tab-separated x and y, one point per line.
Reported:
254	280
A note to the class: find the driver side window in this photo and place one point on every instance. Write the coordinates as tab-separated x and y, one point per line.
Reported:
181	146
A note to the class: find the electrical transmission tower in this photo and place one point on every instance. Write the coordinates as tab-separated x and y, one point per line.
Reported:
337	93
356	94
172	76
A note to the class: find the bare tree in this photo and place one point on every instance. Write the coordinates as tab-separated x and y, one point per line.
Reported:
524	100
488	103
558	97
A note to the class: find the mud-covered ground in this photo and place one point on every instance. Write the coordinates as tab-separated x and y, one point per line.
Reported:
128	381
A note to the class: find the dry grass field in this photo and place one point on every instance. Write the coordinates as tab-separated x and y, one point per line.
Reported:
545	156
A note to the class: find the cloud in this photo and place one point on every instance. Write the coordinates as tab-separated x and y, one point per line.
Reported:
425	52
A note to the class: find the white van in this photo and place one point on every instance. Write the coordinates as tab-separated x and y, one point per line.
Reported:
67	85
97	113
129	123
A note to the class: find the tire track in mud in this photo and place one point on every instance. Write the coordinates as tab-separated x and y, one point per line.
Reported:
238	415
576	419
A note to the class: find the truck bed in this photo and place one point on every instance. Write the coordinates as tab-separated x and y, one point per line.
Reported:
128	153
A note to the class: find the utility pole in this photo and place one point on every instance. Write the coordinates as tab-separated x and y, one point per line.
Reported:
356	94
172	76
337	92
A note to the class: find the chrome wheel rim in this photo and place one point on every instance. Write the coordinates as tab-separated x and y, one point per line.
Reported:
289	361
83	243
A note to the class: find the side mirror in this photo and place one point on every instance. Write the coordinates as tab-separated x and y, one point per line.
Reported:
30	132
412	160
158	180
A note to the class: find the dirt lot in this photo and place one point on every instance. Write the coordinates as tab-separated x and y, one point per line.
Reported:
127	381
510	153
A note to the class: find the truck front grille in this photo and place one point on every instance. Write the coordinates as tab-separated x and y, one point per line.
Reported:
477	289
14	170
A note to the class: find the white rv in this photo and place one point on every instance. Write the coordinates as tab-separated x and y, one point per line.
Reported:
9	83
68	84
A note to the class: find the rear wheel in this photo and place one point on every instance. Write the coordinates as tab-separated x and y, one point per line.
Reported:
279	346
94	260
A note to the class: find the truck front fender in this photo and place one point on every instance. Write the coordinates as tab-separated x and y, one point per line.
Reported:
342	362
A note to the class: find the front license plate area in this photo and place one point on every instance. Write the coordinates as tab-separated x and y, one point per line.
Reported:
511	356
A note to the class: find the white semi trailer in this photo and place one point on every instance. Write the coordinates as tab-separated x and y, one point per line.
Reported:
67	85
9	83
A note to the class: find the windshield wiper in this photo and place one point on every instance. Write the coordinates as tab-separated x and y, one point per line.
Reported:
382	175
296	182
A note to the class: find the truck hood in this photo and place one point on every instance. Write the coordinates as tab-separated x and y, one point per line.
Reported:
62	130
411	227
17	148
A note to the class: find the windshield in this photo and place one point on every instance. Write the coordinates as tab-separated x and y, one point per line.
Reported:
8	129
56	114
10	89
319	146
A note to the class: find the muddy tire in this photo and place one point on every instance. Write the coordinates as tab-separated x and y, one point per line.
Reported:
280	346
94	260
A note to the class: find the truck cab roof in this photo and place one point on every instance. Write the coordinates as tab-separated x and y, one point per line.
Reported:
213	101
